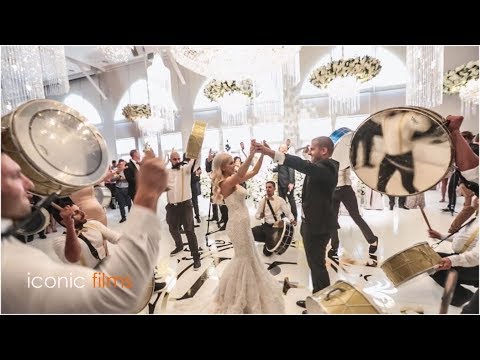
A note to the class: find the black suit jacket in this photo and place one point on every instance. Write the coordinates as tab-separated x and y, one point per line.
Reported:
317	193
131	176
286	175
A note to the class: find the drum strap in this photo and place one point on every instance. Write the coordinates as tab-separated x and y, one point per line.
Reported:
469	241
90	246
271	209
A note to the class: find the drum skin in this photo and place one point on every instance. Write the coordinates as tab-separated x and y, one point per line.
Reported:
55	147
103	195
282	237
411	262
147	294
340	298
341	139
36	224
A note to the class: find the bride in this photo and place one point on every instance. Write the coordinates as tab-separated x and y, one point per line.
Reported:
245	286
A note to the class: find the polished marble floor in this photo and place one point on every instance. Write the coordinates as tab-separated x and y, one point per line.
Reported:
397	230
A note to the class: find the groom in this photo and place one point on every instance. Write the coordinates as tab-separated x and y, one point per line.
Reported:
318	220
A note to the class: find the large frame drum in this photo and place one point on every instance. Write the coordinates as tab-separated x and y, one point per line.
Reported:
341	139
55	147
411	262
340	298
103	195
402	151
146	296
282	237
36	224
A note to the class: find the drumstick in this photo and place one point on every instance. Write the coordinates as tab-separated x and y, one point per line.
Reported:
426	220
58	207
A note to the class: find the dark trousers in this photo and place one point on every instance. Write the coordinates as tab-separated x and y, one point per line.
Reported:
182	214
224	212
123	200
346	195
215	212
367	149
466	275
405	167
195	206
452	191
472	306
264	233
282	192
315	249
401	201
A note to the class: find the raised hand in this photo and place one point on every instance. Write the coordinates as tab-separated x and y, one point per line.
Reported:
454	122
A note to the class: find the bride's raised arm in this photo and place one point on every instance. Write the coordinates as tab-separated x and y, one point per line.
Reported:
237	178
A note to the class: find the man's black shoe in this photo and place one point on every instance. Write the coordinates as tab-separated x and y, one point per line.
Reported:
372	249
333	254
304	312
212	219
198	219
404	207
159	286
302	304
176	251
223	227
266	252
123	220
196	264
391	207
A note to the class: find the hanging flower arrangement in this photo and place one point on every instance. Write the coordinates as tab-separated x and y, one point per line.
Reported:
134	112
216	89
454	80
363	68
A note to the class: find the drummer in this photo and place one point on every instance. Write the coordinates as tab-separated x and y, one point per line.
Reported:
264	232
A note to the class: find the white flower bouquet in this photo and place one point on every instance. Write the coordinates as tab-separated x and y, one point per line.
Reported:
216	89
134	112
363	68
455	79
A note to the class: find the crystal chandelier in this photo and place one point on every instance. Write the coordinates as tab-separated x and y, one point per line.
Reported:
234	108
425	76
232	62
117	54
160	96
469	96
344	95
31	72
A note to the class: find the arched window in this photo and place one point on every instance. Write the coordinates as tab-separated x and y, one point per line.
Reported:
202	102
393	71
84	107
137	93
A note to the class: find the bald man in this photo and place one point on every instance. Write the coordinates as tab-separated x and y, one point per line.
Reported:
180	206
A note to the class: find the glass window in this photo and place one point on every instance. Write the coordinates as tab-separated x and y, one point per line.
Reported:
137	94
352	122
84	107
234	136
171	141
124	146
210	141
201	101
312	128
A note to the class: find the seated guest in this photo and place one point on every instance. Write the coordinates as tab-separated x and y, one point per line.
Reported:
271	209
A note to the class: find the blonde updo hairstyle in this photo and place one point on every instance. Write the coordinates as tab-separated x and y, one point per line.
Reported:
219	161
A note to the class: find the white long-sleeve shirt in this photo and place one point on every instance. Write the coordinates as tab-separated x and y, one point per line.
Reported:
28	274
466	257
97	234
179	182
279	206
398	131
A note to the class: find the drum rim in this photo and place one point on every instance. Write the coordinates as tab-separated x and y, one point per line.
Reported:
339	142
46	217
285	224
106	194
138	308
407	248
379	311
20	130
434	116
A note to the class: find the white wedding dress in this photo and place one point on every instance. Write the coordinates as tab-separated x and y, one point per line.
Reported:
246	286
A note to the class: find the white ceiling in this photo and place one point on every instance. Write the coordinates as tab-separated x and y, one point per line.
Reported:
91	59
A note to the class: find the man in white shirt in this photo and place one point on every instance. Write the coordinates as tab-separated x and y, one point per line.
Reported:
464	260
398	129
180	207
345	194
34	283
264	233
85	241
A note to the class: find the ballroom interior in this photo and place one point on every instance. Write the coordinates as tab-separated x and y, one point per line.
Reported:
288	97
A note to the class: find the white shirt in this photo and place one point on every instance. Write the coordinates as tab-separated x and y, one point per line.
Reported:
471	175
469	257
279	206
344	177
179	182
134	260
96	233
399	129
